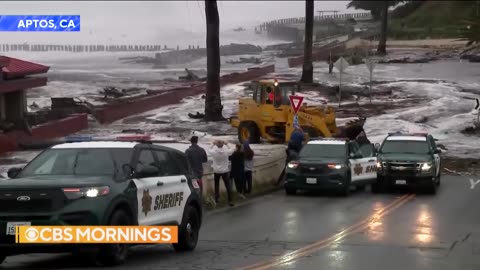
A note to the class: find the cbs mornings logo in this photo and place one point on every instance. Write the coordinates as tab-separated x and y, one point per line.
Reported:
96	234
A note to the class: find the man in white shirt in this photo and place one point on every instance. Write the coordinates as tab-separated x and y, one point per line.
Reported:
220	151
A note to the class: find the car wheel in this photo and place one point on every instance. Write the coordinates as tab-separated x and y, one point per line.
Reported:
2	258
438	178
89	257
432	189
248	131
380	185
188	231
360	188
115	254
376	188
290	191
345	191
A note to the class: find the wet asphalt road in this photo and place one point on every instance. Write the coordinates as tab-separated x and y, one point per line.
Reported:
364	231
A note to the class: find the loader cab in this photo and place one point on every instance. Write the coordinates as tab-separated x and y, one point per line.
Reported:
273	92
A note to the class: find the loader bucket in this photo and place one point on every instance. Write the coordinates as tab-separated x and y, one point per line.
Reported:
352	128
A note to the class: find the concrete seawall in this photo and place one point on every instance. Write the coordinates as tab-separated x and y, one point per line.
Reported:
53	129
109	113
321	54
267	170
269	162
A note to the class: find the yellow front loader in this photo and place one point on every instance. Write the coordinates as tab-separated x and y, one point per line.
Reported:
268	115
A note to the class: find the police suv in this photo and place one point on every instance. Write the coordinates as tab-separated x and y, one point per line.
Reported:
335	164
408	160
101	183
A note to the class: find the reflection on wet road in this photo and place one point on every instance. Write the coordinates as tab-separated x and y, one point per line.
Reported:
365	231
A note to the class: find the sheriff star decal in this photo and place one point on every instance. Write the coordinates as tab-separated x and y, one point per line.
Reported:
358	169
146	202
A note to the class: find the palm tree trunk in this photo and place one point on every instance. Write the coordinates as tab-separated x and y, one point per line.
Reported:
382	43
307	73
213	102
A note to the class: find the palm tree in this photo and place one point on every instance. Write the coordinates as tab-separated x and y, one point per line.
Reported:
307	72
382	43
213	101
372	6
379	10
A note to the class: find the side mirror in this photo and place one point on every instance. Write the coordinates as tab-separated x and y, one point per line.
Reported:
128	170
148	171
437	151
13	172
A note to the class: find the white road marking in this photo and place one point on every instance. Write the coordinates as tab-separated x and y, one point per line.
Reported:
473	183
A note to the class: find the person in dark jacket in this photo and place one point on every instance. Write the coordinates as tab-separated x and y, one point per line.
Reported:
196	156
293	149
296	140
237	169
362	139
248	167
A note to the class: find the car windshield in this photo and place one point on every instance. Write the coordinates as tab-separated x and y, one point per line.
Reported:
407	147
323	151
368	150
84	161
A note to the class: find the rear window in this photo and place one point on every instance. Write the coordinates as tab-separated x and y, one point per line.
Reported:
323	151
405	147
80	161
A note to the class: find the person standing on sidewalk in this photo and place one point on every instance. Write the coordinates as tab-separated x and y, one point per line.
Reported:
248	167
196	156
237	169
293	149
220	153
296	140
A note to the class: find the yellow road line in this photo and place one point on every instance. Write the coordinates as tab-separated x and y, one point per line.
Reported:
309	249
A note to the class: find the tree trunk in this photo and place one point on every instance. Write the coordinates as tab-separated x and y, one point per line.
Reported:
213	102
307	73
382	43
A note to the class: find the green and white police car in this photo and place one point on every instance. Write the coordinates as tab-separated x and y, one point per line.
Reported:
101	183
331	164
408	160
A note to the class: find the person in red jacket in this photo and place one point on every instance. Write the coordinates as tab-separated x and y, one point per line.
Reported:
270	95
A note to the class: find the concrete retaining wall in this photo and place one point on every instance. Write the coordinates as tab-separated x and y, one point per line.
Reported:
267	170
358	42
113	112
321	54
269	162
433	43
49	130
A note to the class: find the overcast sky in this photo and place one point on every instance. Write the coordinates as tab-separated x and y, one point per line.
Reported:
138	19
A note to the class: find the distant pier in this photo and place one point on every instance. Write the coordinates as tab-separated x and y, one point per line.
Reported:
86	48
293	28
